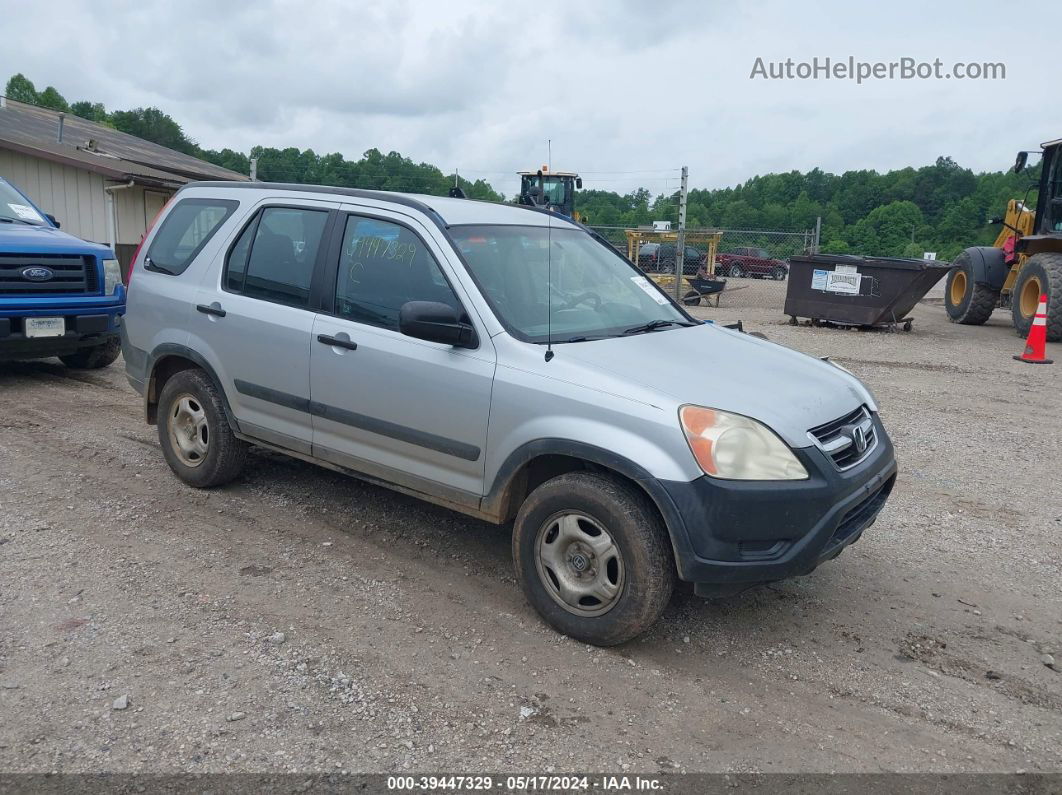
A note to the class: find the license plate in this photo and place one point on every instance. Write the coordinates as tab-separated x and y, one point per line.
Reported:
45	327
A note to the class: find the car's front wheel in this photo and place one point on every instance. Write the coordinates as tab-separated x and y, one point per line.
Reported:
196	439
593	557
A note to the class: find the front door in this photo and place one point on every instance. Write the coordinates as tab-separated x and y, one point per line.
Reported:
409	411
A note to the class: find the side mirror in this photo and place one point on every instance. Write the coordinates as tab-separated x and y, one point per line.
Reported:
579	183
1020	161
51	218
435	322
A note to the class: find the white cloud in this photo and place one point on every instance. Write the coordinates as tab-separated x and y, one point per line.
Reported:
618	86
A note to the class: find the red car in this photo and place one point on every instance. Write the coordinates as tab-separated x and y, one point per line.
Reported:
750	261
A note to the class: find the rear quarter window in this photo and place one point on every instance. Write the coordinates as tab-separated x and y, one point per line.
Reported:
185	230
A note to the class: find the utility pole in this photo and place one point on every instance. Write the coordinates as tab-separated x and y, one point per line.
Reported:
254	169
818	232
680	238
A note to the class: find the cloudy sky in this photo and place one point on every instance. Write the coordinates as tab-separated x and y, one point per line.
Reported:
628	91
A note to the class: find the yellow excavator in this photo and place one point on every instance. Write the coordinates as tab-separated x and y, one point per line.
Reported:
1024	263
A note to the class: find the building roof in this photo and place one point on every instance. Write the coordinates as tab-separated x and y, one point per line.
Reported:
32	130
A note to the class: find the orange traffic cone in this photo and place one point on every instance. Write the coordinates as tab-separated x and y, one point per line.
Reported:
1036	345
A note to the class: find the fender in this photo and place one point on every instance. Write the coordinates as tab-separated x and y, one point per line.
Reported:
496	502
987	266
174	349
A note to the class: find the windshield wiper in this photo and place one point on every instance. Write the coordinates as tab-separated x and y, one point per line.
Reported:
152	265
653	325
18	221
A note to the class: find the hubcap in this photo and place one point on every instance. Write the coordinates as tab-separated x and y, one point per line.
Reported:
579	564
1030	297
189	434
958	288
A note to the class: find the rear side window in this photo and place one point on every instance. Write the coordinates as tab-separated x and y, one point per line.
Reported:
273	258
186	229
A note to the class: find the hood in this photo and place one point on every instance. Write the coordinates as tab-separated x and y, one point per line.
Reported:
711	366
25	239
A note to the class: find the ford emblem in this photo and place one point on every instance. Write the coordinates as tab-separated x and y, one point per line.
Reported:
37	274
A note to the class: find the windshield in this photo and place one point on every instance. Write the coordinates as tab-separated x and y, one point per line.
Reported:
15	209
592	292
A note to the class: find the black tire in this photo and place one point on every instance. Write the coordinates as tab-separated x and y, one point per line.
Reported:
692	298
778	273
225	454
638	532
1041	274
737	271
966	301
93	358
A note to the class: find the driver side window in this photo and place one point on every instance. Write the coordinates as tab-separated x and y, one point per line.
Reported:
382	265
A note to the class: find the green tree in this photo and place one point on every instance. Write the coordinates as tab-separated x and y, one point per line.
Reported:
50	98
21	89
153	125
93	111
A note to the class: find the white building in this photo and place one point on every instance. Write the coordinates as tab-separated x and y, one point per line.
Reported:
100	184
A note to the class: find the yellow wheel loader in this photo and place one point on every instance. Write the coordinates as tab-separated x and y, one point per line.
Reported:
1024	263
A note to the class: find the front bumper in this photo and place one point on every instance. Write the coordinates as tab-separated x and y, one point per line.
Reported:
85	328
731	534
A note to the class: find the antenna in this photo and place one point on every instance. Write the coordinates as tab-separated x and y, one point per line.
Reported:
549	286
549	154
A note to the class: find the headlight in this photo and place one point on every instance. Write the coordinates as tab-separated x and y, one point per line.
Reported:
737	448
112	276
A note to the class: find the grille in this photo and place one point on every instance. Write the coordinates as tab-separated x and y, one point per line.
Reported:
71	274
837	441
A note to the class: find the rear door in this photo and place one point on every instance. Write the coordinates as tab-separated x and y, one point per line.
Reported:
410	411
254	315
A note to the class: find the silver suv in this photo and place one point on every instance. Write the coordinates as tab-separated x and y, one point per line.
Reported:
504	362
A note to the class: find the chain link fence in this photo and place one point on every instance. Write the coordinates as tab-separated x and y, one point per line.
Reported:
753	263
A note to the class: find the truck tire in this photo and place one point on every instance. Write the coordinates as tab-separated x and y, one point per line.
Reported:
778	273
966	301
1041	275
593	557
95	357
737	271
196	439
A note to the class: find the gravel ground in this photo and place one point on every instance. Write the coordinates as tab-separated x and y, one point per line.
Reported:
301	621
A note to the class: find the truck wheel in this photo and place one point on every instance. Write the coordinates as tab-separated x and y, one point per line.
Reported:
1041	275
196	439
593	557
966	301
737	271
778	273
95	357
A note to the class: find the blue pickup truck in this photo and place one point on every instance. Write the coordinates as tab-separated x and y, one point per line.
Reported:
59	295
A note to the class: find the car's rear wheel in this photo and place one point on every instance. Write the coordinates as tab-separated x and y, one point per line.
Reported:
778	273
196	439
94	357
593	557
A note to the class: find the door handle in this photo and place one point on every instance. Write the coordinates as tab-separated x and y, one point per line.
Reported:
210	310
350	345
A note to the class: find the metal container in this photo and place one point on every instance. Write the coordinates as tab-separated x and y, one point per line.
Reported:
858	291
